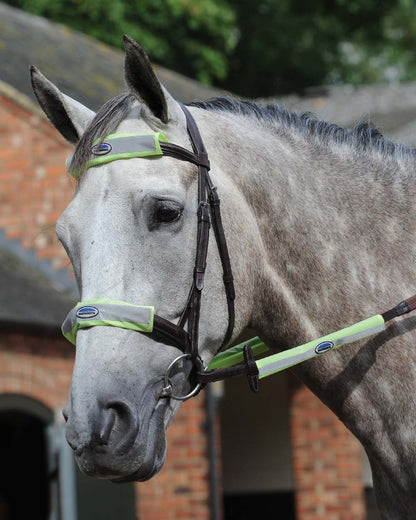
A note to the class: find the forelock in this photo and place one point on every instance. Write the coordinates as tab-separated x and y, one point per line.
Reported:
105	122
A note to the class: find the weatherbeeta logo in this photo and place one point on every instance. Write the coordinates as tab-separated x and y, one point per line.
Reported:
87	312
324	347
101	149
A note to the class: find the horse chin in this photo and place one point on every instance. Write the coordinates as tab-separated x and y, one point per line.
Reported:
144	459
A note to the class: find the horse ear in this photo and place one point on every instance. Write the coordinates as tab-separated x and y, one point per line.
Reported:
144	85
68	116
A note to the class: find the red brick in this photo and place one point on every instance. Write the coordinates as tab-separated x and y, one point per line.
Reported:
327	462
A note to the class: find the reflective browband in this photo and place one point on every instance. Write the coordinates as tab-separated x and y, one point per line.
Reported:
130	146
121	146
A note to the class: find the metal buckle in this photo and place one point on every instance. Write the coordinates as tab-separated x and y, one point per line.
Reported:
167	390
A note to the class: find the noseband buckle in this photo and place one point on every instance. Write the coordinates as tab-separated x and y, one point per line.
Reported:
167	390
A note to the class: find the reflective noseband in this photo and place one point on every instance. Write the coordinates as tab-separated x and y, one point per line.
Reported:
107	312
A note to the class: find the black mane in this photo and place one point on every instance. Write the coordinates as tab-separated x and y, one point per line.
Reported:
364	136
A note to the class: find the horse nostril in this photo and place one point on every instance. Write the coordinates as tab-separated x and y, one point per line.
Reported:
120	420
107	426
122	412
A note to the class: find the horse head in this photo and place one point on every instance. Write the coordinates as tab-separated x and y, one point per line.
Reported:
131	234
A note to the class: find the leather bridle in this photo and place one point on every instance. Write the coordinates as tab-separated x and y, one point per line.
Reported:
185	334
209	213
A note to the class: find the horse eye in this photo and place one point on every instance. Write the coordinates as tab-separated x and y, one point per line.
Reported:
167	211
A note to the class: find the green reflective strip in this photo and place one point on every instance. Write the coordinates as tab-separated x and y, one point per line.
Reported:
234	356
106	312
272	364
124	146
278	362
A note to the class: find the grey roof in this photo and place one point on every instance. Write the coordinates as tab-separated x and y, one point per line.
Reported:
33	295
83	68
392	108
28	297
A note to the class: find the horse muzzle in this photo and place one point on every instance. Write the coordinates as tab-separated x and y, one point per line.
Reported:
115	441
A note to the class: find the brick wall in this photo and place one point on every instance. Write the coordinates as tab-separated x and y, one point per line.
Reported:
36	367
34	186
327	462
35	189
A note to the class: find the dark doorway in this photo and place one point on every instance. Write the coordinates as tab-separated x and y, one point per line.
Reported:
37	464
23	476
256	456
259	505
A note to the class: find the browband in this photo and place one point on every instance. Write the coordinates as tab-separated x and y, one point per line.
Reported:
129	146
121	146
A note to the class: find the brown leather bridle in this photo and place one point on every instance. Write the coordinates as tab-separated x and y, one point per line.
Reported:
185	334
209	213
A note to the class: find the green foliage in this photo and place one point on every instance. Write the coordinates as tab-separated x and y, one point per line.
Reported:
256	48
287	45
386	53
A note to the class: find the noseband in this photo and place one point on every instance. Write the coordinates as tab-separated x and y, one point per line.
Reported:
185	334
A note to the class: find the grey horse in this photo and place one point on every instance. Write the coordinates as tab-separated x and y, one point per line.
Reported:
320	227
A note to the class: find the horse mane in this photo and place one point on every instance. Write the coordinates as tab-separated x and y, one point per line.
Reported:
364	137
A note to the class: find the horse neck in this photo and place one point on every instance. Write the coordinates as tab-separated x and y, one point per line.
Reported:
330	220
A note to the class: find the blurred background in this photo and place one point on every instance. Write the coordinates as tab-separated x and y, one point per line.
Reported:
231	454
256	48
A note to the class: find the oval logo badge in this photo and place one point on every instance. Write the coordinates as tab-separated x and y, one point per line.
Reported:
101	149
323	347
87	312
